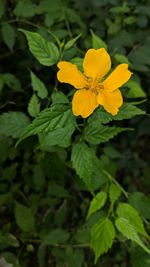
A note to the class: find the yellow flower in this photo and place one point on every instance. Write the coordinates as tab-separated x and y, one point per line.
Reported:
93	90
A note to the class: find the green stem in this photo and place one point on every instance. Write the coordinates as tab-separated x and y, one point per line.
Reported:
112	179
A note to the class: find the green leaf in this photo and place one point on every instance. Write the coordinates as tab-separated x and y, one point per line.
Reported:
141	203
127	229
24	217
97	203
56	236
25	8
127	212
38	86
44	51
114	193
127	111
2	8
121	59
34	106
7	239
71	43
59	136
103	233
59	98
96	133
135	89
13	123
120	9
77	61
1	83
12	82
97	42
82	160
9	35
50	119
139	257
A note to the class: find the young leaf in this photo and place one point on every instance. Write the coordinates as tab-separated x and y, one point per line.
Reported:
103	233
38	86
34	106
24	217
127	111
97	42
126	211
70	43
97	133
57	116
127	229
9	35
114	193
13	123
82	160
44	51
97	203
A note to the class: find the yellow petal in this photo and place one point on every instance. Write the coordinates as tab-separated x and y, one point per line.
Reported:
111	101
69	73
117	78
84	102
96	63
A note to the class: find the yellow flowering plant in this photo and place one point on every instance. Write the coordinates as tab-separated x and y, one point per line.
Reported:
98	100
93	89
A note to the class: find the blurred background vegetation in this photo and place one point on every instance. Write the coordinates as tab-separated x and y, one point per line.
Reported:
41	198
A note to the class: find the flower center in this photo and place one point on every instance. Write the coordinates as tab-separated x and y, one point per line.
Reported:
94	86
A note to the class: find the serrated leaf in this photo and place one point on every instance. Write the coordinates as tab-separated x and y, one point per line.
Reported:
44	51
82	160
97	42
97	203
127	229
127	111
59	98
97	133
70	43
34	106
38	86
59	136
9	35
114	193
135	89
50	119
24	217
103	233
13	123
126	211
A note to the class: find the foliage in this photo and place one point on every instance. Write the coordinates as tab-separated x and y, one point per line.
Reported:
73	192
